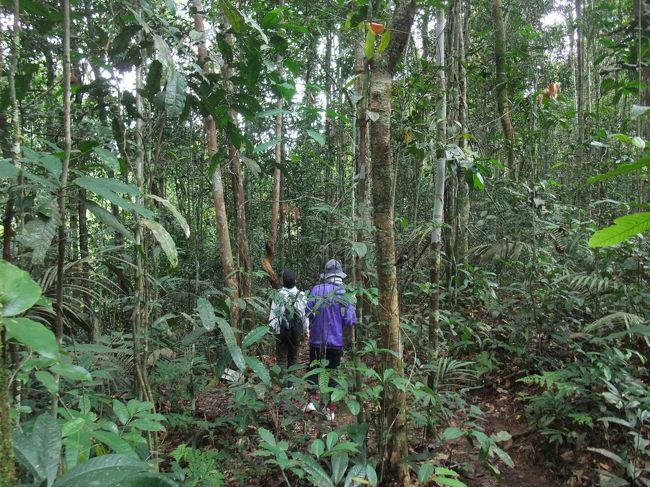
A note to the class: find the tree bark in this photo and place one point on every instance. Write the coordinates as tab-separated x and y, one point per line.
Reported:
7	466
238	190
271	242
218	197
439	184
382	71
501	87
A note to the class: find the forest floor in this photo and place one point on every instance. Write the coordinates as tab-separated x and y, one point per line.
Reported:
503	411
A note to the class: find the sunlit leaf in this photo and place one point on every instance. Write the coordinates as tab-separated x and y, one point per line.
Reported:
316	136
624	227
34	335
164	239
18	291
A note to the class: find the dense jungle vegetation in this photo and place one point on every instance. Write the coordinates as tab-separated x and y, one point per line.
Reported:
479	168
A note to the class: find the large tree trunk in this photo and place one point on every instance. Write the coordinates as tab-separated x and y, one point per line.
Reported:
439	184
239	193
267	262
382	71
501	87
223	234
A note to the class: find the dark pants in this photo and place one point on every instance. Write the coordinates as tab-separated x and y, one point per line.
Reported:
333	356
286	355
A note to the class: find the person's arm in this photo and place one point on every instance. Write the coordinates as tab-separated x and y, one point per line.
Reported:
301	307
273	319
350	317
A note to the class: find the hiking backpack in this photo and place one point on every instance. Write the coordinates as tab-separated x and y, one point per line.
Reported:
290	323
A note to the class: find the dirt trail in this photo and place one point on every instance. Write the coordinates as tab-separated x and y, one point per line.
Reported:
503	412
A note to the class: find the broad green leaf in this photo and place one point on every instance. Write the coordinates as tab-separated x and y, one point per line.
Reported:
18	291
353	406
106	470
385	40
45	378
71	372
264	146
38	235
175	94
235	18
8	170
34	335
621	169
340	463
107	218
331	439
115	443
254	336
108	158
360	248
452	433
206	314
450	481
73	427
46	436
120	411
624	227
110	189
267	436
164	239
147	425
28	455
369	46
174	211
260	369
316	473
503	455
425	472
371	475
316	136
317	448
231	343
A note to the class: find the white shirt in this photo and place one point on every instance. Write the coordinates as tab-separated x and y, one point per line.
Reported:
277	309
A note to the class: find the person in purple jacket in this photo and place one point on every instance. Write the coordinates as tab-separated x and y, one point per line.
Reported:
329	309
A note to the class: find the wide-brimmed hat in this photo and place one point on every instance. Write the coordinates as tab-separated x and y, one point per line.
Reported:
333	268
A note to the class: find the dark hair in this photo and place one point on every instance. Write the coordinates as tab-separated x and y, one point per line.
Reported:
288	278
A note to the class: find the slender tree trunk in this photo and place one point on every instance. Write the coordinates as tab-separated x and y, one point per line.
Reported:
85	267
463	205
223	233
503	105
238	190
63	182
7	467
579	71
362	172
439	184
140	311
382	71
271	242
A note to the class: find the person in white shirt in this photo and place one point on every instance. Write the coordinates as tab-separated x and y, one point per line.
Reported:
289	323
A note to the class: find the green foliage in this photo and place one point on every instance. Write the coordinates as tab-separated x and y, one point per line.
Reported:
624	228
202	467
18	291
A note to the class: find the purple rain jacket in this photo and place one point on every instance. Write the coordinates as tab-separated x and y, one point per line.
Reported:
329	309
